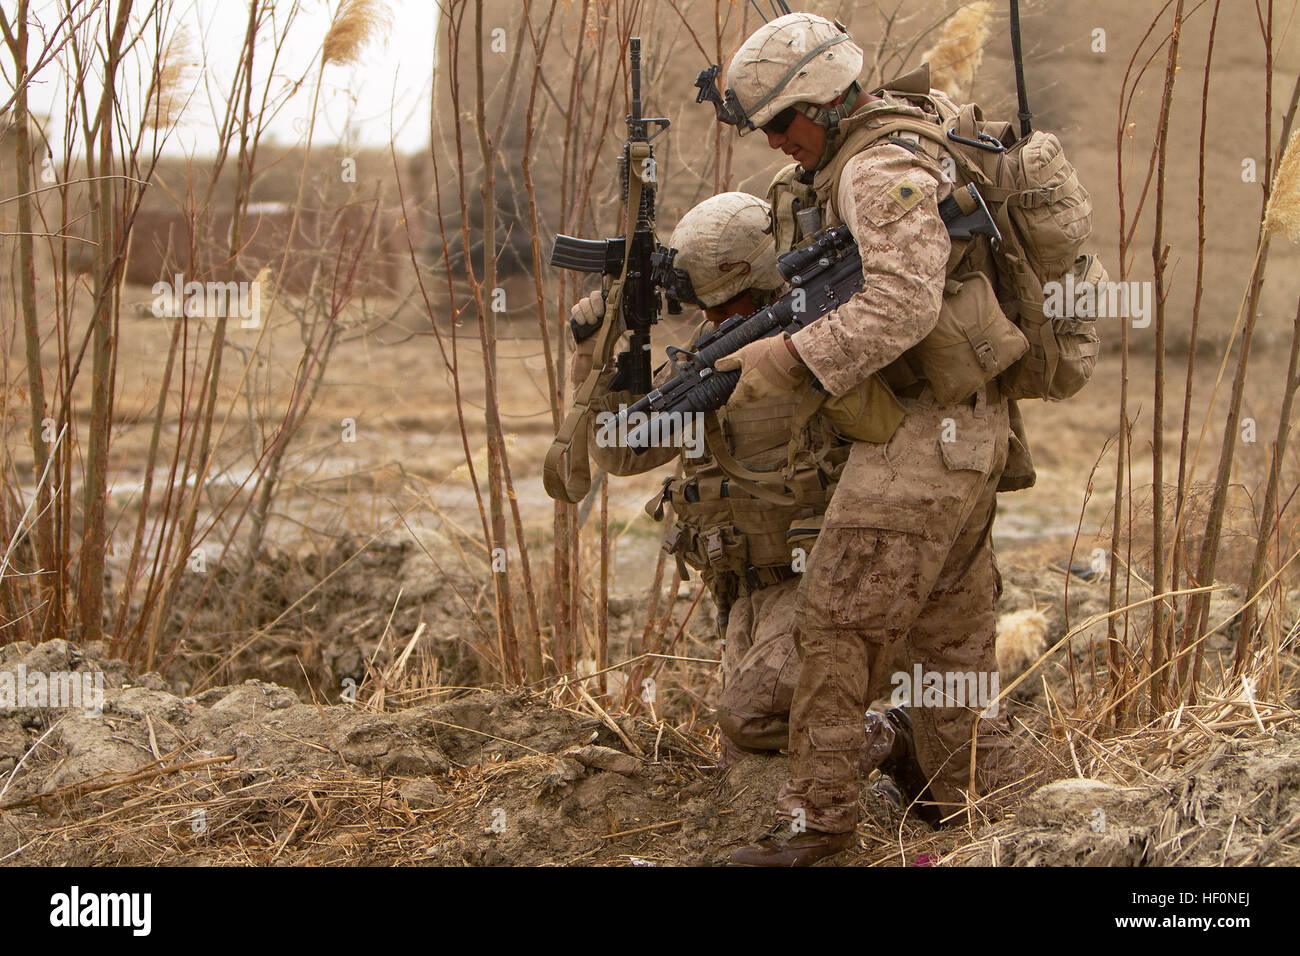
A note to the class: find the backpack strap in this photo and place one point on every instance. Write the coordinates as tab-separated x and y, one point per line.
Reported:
906	127
566	470
746	478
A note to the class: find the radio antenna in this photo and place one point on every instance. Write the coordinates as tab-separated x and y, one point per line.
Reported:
779	8
1017	54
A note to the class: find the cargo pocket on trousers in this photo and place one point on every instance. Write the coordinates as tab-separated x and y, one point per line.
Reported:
968	455
864	585
834	755
972	460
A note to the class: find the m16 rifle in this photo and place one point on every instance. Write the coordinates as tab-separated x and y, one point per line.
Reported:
638	258
638	273
823	275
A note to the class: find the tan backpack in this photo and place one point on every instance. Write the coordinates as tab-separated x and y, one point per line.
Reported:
1042	210
1045	216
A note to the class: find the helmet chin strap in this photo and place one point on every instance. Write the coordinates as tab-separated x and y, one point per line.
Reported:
829	118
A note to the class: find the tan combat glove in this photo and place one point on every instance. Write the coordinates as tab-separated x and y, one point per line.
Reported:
587	315
768	368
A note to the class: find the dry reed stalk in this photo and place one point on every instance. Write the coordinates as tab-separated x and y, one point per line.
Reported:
1199	609
109	234
1122	447
137	552
1281	217
16	38
356	24
1180	501
563	526
1270	517
1282	213
486	323
451	359
168	93
531	659
602	607
562	511
1159	259
1127	232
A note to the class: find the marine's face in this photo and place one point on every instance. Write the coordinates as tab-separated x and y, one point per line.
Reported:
797	136
742	304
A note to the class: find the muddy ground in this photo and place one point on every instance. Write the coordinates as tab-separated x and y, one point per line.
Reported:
254	772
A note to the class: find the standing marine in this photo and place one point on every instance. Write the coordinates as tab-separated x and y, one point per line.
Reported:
905	551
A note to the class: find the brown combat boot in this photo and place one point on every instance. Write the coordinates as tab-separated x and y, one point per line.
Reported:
781	847
905	769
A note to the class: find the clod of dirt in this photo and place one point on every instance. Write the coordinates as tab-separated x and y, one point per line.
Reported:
422	794
606	758
1238	805
1074	795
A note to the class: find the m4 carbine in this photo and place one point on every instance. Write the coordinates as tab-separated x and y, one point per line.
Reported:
823	275
639	259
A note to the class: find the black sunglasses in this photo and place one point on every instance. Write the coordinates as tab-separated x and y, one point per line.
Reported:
779	123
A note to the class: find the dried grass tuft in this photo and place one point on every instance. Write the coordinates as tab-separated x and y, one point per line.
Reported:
1021	638
1282	218
357	24
956	58
174	82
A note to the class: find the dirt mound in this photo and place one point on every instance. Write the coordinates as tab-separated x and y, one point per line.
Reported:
1238	805
250	773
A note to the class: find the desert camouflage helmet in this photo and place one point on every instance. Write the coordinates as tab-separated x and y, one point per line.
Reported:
724	246
799	60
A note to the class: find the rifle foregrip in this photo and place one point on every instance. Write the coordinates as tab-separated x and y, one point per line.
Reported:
758	327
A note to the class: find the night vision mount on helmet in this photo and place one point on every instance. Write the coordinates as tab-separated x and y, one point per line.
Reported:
797	61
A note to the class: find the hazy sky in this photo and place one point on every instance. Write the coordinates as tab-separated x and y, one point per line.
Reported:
388	90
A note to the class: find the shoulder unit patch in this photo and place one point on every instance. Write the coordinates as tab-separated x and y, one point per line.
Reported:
906	193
